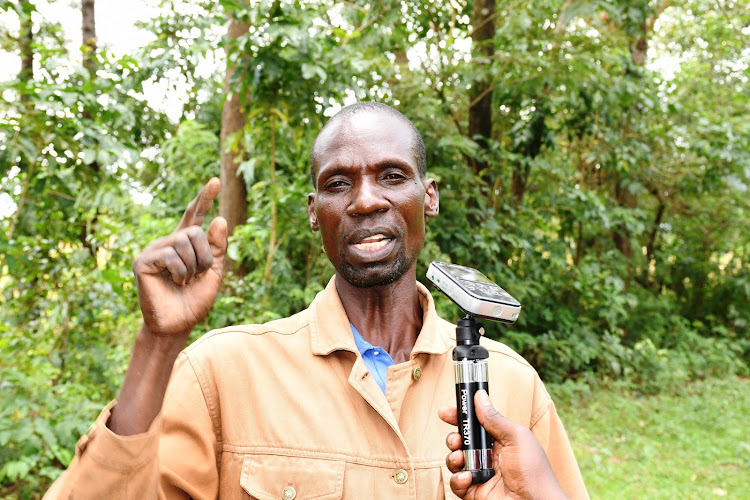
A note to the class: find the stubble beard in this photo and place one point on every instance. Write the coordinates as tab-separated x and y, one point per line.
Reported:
376	274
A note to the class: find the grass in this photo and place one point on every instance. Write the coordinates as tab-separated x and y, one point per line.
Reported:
690	443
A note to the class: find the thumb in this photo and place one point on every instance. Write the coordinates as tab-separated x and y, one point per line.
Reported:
492	420
217	237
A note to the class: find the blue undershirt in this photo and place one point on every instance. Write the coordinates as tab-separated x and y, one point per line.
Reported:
377	360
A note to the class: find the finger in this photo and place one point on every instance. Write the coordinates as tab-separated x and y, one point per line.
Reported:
198	208
184	248
492	420
203	257
449	415
453	441
161	259
455	461
217	237
460	483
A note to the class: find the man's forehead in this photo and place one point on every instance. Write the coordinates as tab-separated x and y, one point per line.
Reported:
365	133
362	122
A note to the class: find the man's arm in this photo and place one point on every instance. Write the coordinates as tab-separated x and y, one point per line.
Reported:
550	433
178	279
174	459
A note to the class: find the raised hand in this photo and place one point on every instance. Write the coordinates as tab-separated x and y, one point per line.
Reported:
178	276
522	470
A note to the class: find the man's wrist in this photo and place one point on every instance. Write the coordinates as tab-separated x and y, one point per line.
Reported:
550	491
142	392
159	345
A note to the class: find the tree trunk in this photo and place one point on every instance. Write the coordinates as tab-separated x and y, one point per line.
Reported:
88	35
26	75
639	50
651	244
88	47
25	42
480	107
233	196
274	215
530	150
621	237
623	197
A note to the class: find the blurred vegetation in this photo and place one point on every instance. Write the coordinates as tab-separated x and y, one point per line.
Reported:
609	195
688	442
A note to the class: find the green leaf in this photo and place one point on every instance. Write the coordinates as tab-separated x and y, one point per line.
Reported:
16	469
310	71
89	156
247	170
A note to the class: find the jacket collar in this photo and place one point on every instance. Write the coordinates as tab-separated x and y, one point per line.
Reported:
330	330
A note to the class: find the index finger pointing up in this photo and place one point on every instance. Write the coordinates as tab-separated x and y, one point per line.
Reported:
198	208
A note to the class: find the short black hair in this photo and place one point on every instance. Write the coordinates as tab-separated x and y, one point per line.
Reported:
417	143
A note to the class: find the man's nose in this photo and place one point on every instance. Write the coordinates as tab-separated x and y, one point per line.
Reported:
367	197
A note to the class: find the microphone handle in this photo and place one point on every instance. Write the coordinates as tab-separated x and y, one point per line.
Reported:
476	442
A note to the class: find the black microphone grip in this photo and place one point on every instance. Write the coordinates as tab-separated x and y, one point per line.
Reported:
476	442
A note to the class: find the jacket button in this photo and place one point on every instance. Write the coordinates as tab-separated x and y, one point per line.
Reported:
417	373
289	493
401	476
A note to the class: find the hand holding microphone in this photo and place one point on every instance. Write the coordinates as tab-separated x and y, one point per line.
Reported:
520	464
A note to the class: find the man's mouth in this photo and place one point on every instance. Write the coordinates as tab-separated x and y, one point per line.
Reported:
372	243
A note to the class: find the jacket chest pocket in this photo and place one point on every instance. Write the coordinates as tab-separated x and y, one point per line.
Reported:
268	477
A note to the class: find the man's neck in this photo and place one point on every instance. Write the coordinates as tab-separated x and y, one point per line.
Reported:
388	316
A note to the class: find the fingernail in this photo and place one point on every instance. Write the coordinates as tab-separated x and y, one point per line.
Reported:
484	399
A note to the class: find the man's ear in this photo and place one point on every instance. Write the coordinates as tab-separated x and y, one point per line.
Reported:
431	199
311	212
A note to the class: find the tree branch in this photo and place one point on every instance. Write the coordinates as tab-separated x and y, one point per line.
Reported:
731	24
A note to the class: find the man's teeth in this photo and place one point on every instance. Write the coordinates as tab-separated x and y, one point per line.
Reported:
372	242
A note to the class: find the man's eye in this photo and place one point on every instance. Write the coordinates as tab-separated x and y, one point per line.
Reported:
393	177
335	185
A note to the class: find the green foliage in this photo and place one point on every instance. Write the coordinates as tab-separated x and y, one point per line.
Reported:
63	350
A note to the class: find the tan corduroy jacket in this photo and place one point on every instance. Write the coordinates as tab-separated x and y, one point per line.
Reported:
289	410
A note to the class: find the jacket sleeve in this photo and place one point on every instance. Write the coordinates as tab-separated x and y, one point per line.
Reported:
175	459
549	431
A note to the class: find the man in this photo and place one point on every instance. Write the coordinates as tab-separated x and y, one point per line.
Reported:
304	407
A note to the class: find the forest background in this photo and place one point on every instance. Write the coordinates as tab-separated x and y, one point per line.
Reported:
593	158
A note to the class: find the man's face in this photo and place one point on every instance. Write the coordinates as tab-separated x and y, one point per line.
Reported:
370	202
